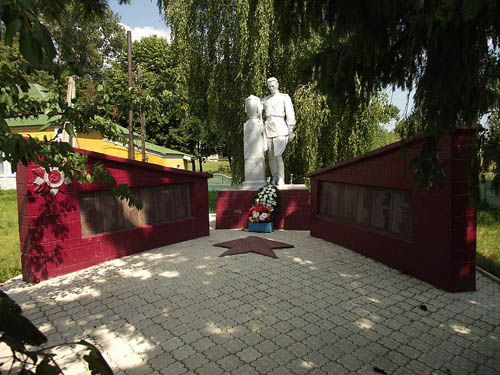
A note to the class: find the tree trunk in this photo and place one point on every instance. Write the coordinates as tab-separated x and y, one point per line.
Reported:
200	160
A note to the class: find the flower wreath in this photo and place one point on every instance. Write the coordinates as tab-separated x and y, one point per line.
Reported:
269	196
265	203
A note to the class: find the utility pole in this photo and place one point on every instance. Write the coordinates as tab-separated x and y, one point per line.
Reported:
143	124
130	113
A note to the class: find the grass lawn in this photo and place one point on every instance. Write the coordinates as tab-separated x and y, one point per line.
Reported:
215	167
488	239
10	255
488	236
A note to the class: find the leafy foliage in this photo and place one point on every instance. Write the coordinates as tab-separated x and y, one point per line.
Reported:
169	124
327	135
226	51
448	51
97	363
16	331
156	94
490	151
22	29
333	58
87	44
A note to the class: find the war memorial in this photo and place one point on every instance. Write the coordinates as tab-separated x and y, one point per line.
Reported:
361	273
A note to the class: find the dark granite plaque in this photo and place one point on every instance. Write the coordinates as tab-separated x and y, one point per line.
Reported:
350	200
364	206
385	209
101	212
381	208
338	200
401	213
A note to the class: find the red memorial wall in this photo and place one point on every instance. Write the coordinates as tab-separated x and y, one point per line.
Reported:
293	212
65	226
369	205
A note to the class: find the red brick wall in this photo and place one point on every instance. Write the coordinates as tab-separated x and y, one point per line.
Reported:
293	213
442	247
50	229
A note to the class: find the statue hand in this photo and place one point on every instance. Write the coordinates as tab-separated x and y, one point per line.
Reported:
291	135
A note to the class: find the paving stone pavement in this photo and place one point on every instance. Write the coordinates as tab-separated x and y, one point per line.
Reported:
318	309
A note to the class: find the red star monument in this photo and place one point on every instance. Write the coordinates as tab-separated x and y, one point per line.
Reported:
252	244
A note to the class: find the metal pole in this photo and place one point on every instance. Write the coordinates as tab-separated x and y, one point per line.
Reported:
143	124
130	113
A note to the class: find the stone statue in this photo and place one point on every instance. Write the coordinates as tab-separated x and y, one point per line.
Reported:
255	144
279	124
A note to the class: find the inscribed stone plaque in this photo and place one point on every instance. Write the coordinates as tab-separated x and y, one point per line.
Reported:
380	210
350	200
337	204
363	206
401	213
327	199
101	212
385	209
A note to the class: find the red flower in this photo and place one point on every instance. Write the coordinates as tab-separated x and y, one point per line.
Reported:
259	214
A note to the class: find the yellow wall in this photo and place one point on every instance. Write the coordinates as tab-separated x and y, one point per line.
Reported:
94	142
35	133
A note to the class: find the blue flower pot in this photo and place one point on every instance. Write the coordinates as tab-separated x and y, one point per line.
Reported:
260	227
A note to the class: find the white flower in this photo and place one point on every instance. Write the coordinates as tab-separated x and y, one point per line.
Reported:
263	216
255	214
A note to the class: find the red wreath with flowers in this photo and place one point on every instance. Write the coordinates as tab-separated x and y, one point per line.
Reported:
259	214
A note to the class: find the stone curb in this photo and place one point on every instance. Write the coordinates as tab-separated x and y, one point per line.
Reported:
486	273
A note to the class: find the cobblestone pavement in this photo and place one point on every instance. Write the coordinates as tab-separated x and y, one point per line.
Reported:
318	309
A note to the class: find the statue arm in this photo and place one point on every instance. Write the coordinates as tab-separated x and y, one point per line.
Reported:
289	113
262	130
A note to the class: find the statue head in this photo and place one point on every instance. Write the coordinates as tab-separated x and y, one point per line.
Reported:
272	85
252	106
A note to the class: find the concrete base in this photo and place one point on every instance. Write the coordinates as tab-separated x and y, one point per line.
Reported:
293	213
253	184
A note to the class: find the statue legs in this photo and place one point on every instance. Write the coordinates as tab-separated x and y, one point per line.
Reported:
277	167
272	165
281	171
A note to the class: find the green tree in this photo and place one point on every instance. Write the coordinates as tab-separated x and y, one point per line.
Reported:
155	58
156	79
88	44
221	49
448	51
227	50
326	135
20	25
384	137
490	149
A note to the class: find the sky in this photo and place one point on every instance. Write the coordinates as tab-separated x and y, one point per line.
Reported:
400	99
143	19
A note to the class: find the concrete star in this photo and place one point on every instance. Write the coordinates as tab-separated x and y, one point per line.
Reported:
252	244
